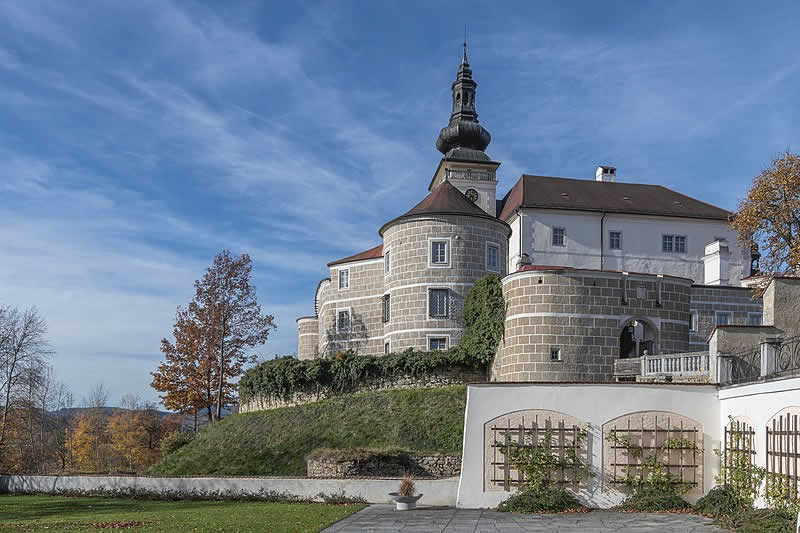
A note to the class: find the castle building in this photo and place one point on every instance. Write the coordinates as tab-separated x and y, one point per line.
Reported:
593	270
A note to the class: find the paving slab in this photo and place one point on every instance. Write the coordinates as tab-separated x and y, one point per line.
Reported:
385	519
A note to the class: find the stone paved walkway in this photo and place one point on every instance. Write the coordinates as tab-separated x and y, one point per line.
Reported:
384	519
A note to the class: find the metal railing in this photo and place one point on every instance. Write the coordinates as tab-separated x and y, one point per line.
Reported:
676	364
764	361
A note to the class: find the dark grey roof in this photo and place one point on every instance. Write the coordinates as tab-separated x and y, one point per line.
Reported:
587	195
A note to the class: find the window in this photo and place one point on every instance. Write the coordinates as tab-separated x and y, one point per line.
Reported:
754	319
438	303
492	257
387	349
437	343
440	253
694	321
615	240
555	353
387	307
673	244
344	279
641	292
559	237
724	318
387	262
343	321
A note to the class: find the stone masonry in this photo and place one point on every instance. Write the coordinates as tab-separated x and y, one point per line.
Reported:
581	313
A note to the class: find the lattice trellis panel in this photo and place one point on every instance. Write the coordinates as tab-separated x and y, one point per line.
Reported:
783	451
649	430
739	439
526	429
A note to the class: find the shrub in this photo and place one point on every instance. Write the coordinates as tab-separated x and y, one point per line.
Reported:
650	500
721	501
174	441
547	500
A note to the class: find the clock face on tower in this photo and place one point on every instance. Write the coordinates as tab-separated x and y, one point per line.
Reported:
472	194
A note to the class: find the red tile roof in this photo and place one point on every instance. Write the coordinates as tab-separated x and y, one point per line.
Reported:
445	199
372	253
586	195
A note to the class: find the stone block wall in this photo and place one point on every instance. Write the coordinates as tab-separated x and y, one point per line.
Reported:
707	300
379	465
582	313
411	275
363	299
307	337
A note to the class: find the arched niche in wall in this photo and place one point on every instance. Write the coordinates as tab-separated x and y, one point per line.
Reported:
647	432
528	426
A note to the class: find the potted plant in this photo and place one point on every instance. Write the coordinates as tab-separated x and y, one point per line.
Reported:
404	498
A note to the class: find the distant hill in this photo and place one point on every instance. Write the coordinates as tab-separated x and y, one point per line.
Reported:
276	442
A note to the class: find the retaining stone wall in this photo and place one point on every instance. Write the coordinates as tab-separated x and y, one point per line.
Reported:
437	466
443	378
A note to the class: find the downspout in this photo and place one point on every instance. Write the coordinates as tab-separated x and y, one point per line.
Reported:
602	238
519	255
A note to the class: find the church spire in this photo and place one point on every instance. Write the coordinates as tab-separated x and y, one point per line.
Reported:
463	131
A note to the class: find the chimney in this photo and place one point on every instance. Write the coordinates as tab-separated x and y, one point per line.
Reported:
715	262
605	173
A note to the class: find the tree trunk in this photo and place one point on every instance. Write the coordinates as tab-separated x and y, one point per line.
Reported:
4	423
221	376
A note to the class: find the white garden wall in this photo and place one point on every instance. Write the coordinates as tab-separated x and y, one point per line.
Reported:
435	491
594	404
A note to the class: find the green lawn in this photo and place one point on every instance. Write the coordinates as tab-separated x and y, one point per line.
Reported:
55	513
276	442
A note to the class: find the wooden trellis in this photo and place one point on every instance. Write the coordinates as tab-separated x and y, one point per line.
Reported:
681	461
739	438
564	437
782	454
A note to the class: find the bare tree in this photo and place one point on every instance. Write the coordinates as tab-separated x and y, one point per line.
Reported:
98	396
23	349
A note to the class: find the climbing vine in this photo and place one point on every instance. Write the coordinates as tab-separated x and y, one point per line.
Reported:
545	467
484	321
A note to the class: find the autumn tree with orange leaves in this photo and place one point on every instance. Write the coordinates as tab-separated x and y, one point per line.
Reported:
214	338
770	216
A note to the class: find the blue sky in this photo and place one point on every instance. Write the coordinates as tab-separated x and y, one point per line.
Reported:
137	139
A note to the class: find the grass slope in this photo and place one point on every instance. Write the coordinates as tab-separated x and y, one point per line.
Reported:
276	442
54	513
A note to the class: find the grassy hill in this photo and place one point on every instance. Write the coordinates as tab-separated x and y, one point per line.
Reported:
276	442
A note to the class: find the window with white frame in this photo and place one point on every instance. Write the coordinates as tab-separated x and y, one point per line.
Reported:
559	237
387	307
673	244
387	262
344	279
438	303
694	321
437	343
492	257
555	353
615	240
440	252
755	319
724	318
342	320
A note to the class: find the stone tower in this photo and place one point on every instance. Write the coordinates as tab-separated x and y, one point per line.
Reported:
463	141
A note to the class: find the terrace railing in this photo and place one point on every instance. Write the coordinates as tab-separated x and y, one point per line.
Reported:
676	364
